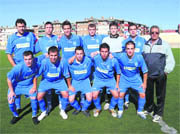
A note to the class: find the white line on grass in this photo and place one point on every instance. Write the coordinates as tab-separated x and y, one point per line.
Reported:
166	129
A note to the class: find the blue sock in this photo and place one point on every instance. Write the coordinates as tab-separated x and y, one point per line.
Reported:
64	102
75	105
42	105
48	97
12	107
120	104
127	97
18	102
97	103
141	102
59	98
34	107
85	105
113	102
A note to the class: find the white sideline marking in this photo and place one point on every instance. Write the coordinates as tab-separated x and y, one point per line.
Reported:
166	129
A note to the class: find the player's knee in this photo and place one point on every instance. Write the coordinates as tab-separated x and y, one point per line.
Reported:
94	96
65	94
142	95
89	96
33	98
39	97
121	95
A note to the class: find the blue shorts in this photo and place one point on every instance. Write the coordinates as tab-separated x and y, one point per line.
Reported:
124	84
24	90
82	86
59	86
99	84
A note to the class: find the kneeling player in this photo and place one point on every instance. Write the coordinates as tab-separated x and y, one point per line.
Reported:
130	63
53	71
21	82
80	70
104	78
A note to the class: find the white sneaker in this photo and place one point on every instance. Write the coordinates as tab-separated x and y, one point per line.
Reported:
113	112
106	106
142	115
149	113
126	105
157	118
63	114
120	113
96	112
42	116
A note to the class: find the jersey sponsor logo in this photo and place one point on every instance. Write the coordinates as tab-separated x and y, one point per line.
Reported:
102	70
23	45
130	68
66	49
52	74
136	64
29	76
94	46
80	71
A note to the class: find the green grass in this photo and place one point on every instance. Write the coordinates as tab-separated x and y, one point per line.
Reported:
105	123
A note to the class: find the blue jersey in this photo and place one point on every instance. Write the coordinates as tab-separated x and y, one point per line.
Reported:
44	43
22	75
53	72
91	44
18	44
130	67
68	45
105	69
81	71
139	42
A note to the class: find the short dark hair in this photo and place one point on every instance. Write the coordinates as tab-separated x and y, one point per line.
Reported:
91	25
79	48
154	26
130	25
104	45
27	53
53	49
130	42
20	20
66	22
113	23
48	22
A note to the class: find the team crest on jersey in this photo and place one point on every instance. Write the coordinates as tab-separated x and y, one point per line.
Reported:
97	40
74	43
27	39
138	44
136	64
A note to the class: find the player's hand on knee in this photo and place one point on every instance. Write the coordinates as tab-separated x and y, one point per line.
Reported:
143	86
72	88
32	90
11	97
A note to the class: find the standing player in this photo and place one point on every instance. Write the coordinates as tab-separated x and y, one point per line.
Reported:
130	62
53	71
17	44
139	43
80	70
115	43
92	41
104	77
21	81
69	41
42	45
